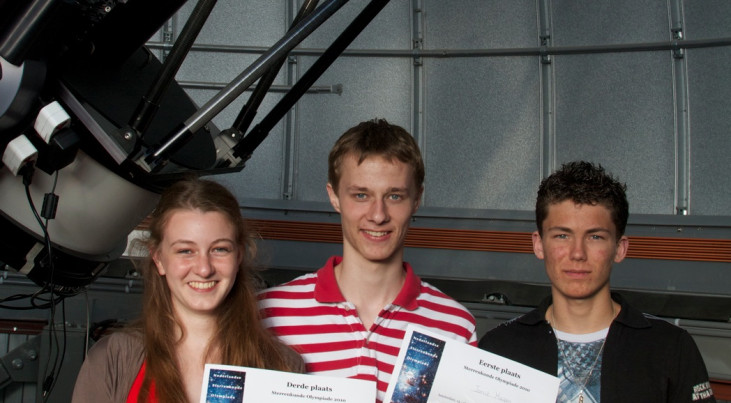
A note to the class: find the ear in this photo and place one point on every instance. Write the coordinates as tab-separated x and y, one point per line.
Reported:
334	199
538	245
158	264
622	246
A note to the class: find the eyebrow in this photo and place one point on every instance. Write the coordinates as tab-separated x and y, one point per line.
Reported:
365	189
188	242
356	188
590	230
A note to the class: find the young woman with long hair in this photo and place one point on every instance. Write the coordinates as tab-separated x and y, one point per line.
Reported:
199	306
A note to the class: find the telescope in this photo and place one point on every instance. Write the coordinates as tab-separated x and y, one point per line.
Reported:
93	126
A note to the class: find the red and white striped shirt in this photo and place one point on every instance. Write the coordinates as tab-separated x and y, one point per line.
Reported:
310	314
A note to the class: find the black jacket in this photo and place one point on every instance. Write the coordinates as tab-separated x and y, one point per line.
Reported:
645	359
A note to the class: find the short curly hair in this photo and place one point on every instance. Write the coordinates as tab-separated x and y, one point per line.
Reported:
583	183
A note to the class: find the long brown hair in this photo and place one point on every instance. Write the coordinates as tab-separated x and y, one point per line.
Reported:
239	338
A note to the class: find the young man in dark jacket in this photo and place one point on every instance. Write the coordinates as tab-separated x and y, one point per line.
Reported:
602	349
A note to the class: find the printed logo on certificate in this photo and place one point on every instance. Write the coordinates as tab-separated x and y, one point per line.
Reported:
432	368
225	385
418	369
232	384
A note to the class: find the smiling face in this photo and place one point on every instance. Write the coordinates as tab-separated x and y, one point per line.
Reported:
199	258
376	200
579	245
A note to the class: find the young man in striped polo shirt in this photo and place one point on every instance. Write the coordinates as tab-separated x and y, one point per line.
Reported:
348	319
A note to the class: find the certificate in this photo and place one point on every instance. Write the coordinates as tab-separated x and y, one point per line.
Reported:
433	368
232	384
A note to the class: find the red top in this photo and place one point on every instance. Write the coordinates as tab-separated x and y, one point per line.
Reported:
134	393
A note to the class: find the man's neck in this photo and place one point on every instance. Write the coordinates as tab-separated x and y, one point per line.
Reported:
370	286
582	316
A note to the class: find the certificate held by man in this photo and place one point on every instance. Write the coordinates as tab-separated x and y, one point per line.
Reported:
432	369
232	384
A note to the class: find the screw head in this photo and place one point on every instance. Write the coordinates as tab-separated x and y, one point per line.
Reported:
32	355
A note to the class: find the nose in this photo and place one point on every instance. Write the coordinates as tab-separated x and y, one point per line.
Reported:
204	266
378	211
578	249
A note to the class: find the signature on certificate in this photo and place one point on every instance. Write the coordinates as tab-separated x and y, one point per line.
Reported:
493	396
